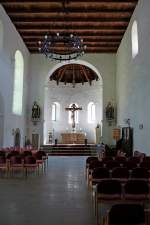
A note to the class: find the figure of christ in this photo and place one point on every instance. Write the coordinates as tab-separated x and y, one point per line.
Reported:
72	109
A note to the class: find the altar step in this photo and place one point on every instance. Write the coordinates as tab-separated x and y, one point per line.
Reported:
70	150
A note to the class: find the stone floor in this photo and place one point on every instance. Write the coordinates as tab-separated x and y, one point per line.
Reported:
60	197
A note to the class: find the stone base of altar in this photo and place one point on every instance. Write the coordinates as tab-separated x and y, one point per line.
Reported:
73	138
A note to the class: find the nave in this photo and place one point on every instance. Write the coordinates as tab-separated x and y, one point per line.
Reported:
60	196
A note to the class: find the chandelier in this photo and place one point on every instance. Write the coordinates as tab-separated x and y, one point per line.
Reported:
62	47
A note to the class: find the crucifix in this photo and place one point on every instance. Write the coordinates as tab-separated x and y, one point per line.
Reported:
72	109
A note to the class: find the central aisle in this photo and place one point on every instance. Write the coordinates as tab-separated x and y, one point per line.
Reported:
59	197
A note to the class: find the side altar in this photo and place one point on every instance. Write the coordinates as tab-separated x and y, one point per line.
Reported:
73	138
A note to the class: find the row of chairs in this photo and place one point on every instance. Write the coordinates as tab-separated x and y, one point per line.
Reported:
113	164
113	191
114	185
23	162
18	149
120	160
119	173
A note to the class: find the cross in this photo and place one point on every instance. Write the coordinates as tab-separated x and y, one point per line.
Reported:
72	109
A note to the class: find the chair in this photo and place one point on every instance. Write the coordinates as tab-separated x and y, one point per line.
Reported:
98	174
125	214
4	164
146	159
16	163
120	173
136	190
129	164
12	153
121	159
26	153
135	159
88	161
92	166
112	164
30	164
140	173
107	191
40	157
2	153
145	164
107	159
91	158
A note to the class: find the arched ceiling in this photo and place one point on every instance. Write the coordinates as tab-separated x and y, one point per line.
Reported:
74	73
101	24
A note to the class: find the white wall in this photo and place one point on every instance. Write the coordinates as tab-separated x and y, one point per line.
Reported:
40	68
1	121
133	79
11	41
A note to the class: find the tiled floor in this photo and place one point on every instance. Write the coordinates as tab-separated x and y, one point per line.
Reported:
58	198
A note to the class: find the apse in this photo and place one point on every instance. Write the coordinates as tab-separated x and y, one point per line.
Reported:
85	92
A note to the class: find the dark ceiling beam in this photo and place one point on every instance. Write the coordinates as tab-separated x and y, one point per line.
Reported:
73	19
89	38
62	74
57	80
70	16
74	7
69	24
91	27
90	49
84	72
54	1
77	31
89	44
72	4
80	10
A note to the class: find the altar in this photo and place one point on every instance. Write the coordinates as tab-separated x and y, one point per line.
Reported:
73	138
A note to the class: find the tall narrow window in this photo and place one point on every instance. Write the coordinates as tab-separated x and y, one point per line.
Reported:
91	112
54	111
76	115
18	83
134	38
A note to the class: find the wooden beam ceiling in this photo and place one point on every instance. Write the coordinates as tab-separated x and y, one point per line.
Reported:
73	73
101	24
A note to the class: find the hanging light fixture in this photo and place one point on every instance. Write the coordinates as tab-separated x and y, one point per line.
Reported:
62	47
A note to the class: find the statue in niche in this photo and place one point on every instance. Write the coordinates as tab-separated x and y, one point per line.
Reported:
35	111
110	112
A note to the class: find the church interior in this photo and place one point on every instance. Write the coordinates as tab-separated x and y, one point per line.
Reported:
74	112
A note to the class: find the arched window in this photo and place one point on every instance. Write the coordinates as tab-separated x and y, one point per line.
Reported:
55	111
18	83
134	39
1	35
91	112
76	114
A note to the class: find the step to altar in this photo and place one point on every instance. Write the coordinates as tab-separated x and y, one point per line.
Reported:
70	149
